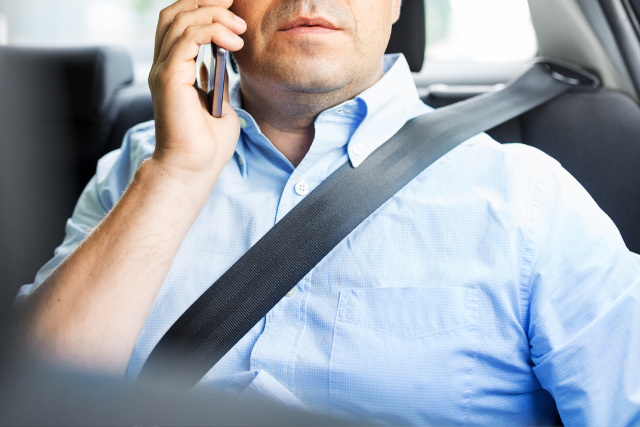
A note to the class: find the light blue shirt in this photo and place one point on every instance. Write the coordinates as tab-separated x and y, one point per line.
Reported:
488	287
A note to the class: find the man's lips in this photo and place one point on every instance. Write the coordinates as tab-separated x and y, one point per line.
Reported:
304	25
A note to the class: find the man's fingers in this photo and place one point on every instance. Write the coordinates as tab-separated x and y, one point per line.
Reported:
200	16
168	14
188	44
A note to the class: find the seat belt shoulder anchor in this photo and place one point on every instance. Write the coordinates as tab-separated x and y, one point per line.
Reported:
575	76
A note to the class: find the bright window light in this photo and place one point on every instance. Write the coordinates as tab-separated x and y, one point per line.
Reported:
458	30
127	23
480	31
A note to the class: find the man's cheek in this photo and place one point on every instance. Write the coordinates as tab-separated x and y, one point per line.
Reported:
251	11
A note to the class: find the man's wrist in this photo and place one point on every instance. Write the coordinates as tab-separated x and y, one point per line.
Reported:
192	183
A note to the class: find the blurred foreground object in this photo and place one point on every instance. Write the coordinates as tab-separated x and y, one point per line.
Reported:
46	397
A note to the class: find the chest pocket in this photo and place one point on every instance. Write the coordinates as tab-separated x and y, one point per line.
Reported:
404	355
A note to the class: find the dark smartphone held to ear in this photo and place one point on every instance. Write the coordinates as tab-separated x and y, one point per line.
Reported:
215	88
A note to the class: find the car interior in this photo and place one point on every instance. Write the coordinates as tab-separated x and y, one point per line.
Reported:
54	130
62	109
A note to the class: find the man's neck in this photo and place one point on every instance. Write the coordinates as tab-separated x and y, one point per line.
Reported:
287	117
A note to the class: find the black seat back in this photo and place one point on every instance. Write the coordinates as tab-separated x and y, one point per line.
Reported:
55	120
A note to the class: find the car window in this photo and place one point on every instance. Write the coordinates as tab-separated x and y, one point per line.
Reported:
458	30
480	31
127	23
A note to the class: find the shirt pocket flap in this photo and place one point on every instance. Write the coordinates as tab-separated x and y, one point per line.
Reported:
409	312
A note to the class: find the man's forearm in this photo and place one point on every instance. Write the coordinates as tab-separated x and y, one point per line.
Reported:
89	312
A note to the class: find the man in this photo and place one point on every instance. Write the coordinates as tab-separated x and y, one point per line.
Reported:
487	291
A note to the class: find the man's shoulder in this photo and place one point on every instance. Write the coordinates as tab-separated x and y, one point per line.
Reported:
515	163
542	169
138	144
514	151
140	140
482	153
116	169
523	175
527	154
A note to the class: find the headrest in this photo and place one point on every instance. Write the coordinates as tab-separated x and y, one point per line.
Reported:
68	91
408	35
89	76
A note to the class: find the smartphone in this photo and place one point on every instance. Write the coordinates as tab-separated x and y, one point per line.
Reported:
215	89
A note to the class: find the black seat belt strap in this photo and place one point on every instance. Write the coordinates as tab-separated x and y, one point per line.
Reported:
243	295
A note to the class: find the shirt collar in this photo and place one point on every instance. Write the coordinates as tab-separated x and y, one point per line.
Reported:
235	99
390	103
381	111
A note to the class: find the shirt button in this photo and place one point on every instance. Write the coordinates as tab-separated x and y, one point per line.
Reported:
291	292
243	123
302	188
358	150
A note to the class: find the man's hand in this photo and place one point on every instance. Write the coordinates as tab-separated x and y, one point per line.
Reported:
191	145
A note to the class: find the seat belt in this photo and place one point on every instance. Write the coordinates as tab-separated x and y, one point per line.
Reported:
244	294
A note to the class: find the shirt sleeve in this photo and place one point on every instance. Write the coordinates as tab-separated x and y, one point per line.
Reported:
584	311
113	174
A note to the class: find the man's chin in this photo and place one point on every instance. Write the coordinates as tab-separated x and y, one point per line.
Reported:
315	76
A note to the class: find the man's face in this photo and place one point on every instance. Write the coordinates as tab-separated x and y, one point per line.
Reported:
314	45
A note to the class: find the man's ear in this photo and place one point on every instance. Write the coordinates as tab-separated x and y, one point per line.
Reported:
395	10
